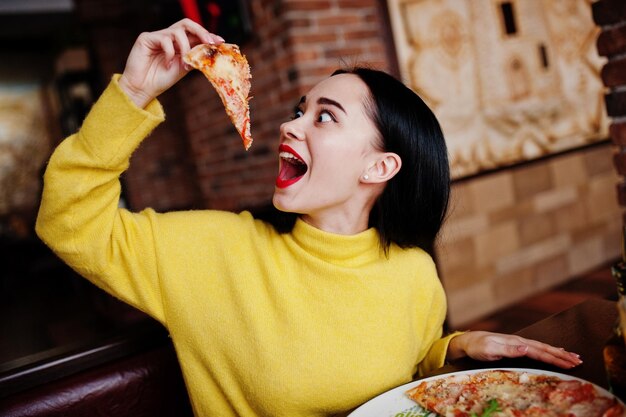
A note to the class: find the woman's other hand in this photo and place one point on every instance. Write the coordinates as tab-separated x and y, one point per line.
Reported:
487	346
155	61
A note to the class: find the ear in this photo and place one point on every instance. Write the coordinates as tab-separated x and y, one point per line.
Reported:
384	168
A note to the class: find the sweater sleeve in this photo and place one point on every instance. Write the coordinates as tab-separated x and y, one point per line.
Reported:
79	216
436	356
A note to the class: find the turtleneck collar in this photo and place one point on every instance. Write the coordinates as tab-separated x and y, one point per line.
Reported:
344	250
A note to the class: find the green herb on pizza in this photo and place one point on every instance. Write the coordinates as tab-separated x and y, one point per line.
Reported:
492	407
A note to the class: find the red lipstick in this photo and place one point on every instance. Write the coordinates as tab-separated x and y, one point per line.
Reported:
292	167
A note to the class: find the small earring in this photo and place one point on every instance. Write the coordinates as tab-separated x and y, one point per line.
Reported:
366	177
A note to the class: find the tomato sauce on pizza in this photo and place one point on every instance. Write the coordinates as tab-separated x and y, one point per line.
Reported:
228	71
506	393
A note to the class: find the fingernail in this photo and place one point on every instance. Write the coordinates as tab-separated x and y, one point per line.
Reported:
221	39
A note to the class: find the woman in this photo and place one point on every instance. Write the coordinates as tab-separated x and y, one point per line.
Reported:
312	320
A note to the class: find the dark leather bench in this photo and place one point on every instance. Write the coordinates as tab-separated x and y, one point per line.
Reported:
144	384
69	349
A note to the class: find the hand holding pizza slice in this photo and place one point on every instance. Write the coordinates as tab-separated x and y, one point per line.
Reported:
229	73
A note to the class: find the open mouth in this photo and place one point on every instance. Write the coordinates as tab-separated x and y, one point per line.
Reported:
292	167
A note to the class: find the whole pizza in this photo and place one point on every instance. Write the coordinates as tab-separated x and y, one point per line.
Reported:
509	393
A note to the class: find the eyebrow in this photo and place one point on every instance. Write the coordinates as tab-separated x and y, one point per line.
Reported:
325	100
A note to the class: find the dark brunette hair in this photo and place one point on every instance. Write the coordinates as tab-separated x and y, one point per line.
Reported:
411	209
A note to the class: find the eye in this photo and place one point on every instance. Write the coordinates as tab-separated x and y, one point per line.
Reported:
325	116
297	113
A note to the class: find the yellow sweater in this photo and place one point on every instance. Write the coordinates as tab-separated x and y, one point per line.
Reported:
302	324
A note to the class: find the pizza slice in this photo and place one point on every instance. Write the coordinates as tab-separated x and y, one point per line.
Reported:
505	393
229	73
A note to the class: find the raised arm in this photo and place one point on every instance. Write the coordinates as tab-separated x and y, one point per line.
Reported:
79	216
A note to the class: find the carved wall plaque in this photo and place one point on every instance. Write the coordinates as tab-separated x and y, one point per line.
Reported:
509	80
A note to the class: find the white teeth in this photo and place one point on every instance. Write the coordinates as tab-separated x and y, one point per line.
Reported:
289	155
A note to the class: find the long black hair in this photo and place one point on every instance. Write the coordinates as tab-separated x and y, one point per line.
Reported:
411	209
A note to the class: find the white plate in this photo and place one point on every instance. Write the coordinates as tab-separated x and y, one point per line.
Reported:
395	403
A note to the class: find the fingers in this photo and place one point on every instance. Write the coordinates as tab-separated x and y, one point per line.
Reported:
182	41
197	32
186	34
175	41
167	46
553	355
515	346
494	346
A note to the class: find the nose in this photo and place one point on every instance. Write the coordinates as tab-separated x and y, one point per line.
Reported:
291	130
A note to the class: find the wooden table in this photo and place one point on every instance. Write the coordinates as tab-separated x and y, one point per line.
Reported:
582	329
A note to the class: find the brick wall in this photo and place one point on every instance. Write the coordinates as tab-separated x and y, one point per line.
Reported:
296	44
610	15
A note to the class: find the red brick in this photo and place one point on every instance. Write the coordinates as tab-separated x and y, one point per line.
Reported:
356	4
618	133
376	49
317	71
307	5
290	95
621	193
361	35
343	52
608	12
315	38
299	23
615	103
303	55
614	73
619	161
612	41
342	20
